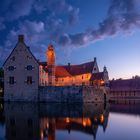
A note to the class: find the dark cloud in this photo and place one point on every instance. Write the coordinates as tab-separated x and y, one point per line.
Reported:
13	9
123	16
36	31
58	7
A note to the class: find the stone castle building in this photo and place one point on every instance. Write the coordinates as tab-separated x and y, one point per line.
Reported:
68	75
23	73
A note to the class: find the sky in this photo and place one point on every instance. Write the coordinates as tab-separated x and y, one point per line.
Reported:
79	30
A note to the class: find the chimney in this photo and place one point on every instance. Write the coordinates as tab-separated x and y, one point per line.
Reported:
94	59
105	69
21	38
69	65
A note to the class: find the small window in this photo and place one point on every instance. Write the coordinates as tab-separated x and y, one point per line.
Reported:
13	58
11	68
29	57
11	80
94	68
29	67
29	80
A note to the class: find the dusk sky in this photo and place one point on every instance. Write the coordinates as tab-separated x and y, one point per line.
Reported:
79	30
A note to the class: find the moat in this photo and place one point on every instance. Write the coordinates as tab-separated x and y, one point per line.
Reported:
83	121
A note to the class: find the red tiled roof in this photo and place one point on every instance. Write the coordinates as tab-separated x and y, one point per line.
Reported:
60	71
72	70
97	76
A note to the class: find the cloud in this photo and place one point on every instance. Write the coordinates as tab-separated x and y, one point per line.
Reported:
58	7
123	16
73	16
34	33
13	9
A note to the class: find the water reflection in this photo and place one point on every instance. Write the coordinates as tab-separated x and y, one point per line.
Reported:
41	121
28	121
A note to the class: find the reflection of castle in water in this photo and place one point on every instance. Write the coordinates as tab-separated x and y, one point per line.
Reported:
32	121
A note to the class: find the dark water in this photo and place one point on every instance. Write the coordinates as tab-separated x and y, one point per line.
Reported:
115	121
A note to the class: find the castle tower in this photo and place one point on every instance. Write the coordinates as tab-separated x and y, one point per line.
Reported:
51	65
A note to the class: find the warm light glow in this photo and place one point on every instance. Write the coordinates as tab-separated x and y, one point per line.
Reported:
41	134
74	80
102	82
47	125
67	120
102	118
86	122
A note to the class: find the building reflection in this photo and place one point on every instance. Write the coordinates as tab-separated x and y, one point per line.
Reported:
41	121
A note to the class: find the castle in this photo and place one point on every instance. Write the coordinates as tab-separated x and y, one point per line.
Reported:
68	75
24	74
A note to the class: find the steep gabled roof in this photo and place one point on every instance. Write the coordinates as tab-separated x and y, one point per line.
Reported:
9	55
14	50
97	76
80	69
60	71
71	70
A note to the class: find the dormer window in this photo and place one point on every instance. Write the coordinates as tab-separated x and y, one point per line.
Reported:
11	68
29	67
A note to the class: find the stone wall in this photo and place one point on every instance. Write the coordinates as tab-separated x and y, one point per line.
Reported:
20	89
71	94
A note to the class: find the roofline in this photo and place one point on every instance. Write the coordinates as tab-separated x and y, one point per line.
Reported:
13	51
31	53
9	55
76	64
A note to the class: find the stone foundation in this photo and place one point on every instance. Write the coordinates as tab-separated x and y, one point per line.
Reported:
72	94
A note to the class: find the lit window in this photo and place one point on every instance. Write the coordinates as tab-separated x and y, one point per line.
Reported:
29	80
29	67
11	80
11	68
